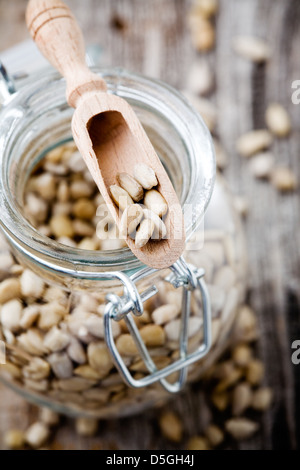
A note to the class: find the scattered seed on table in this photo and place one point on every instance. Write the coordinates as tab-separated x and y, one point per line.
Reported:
278	120
197	443
86	427
241	398
49	417
283	179
245	327
251	48
214	435
37	435
203	34
14	439
253	142
242	354
171	426
261	165
262	399
255	372
205	8
241	428
241	204
200	79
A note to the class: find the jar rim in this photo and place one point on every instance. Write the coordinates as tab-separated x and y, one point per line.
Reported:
196	139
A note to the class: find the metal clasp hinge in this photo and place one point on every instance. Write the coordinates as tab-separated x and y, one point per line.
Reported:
183	274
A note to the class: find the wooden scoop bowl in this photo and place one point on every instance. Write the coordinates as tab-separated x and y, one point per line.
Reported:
105	128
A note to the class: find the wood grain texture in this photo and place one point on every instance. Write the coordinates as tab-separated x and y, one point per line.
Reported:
151	37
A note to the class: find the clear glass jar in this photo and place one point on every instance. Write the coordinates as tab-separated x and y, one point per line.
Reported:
79	376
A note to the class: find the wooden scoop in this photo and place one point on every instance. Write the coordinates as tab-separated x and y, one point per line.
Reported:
105	128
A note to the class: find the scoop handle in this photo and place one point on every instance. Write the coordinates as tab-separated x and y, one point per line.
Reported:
58	36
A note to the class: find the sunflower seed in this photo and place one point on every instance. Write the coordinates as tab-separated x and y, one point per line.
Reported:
49	417
133	188
11	313
86	426
241	398
120	197
130	219
171	426
154	201
55	340
283	179
14	439
144	233
197	443
241	355
37	369
251	48
61	226
261	165
255	372
241	428
214	434
36	435
99	357
31	284
160	230
200	78
278	120
145	176
165	313
61	365
262	399
76	351
253	142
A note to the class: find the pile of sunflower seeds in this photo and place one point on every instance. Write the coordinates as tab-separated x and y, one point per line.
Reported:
55	338
233	397
143	206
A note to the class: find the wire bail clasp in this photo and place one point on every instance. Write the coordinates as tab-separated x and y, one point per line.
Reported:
183	275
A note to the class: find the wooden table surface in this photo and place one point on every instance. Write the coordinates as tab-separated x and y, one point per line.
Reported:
155	41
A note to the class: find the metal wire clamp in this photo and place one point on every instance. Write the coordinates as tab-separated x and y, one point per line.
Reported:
182	274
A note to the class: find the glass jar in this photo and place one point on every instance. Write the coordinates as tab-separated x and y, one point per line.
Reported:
68	315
